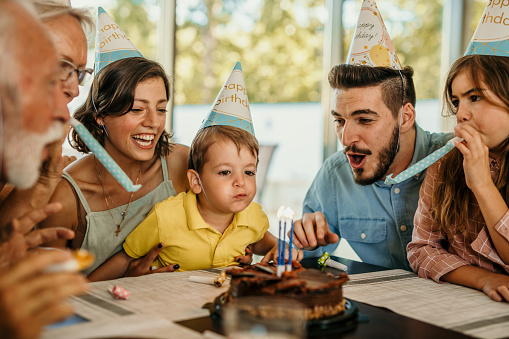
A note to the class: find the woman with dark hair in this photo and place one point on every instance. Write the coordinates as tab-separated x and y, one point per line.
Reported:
126	112
461	232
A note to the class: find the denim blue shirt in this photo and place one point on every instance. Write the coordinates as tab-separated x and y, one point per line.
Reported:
376	220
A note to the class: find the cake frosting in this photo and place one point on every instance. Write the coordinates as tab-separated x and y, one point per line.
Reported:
321	293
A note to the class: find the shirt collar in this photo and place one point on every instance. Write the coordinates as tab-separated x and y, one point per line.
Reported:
195	220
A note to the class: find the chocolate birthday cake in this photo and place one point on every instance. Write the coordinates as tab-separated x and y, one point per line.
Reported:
320	292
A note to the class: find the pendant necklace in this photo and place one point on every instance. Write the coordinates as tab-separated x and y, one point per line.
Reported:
106	195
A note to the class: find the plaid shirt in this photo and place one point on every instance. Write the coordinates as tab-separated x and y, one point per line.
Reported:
432	253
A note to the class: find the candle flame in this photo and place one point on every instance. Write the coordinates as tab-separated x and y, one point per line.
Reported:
280	212
288	213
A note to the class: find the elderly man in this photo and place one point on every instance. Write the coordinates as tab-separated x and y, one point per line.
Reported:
65	26
33	113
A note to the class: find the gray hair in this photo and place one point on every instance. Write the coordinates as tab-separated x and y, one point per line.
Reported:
50	9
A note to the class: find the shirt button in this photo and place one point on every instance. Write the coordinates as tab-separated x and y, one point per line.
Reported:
219	245
396	190
363	235
403	228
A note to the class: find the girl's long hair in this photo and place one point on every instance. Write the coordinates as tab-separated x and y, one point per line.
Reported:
451	194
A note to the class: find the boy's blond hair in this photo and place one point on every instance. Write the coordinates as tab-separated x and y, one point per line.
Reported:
216	133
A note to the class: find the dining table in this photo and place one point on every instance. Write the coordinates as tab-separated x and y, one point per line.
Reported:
383	303
372	322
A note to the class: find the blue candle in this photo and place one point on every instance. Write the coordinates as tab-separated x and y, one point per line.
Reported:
284	244
279	244
103	156
291	242
280	212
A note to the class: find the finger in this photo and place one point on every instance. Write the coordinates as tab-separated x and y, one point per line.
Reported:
31	265
41	292
299	237
169	268
309	224
29	220
249	249
493	294
299	256
504	292
41	236
53	314
268	257
324	235
149	258
331	237
244	259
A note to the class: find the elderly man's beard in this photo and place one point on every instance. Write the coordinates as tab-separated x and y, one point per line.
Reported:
385	159
22	152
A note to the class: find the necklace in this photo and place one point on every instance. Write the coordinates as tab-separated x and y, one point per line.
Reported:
106	196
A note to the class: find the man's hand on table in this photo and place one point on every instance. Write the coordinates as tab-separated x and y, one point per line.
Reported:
312	231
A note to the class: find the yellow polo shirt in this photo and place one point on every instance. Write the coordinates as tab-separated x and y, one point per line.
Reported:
188	240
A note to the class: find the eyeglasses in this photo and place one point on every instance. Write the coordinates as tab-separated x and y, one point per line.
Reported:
67	70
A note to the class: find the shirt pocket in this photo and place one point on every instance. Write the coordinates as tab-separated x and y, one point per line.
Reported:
363	230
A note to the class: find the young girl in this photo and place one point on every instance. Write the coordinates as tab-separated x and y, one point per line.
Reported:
461	232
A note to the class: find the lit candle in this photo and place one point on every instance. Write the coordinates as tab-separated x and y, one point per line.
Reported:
289	214
280	267
103	156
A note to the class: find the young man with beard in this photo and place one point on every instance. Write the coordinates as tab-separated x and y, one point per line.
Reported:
375	123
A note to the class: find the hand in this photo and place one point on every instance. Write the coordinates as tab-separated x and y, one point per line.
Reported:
53	165
13	241
143	265
476	162
496	286
31	299
273	255
312	231
68	160
248	258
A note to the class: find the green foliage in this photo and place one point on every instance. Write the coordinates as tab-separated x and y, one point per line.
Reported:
133	19
415	31
281	60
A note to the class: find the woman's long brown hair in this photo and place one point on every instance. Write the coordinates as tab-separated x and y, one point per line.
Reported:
451	194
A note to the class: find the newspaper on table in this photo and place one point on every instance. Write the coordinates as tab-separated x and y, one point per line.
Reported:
450	306
157	301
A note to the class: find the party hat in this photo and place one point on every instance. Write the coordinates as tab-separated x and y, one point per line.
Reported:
371	44
111	43
231	106
492	34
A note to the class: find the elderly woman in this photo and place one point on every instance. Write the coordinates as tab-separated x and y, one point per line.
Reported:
126	113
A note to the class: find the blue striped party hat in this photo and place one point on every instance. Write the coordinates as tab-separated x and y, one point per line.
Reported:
111	43
231	106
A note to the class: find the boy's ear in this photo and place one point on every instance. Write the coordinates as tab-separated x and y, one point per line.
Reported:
194	181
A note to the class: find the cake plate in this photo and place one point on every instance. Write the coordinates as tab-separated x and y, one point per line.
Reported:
336	324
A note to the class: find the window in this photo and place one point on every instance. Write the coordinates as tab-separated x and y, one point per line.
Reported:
279	44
